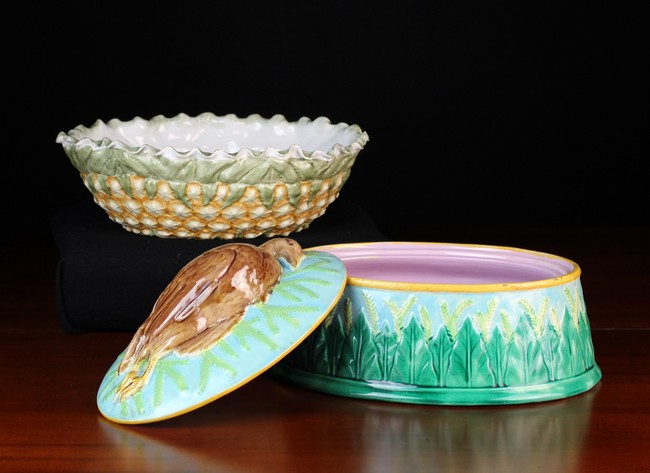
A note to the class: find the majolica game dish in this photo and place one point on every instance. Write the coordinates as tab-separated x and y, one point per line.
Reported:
210	176
420	323
455	324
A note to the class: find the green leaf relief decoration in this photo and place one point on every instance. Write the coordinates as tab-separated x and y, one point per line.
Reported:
180	189
234	194
427	325
506	325
151	187
348	316
550	345
167	369
469	366
399	342
329	318
315	264
246	328
386	343
399	313
210	360
315	187
373	314
295	193
138	405
299	286
109	390
103	184
225	347
208	192
554	320
582	347
537	318
318	351
334	337
484	319
124	407
187	170
585	335
296	284
267	194
272	313
316	348
125	183
291	295
90	183
526	363
412	362
578	352
359	358
450	319
573	306
440	348
498	353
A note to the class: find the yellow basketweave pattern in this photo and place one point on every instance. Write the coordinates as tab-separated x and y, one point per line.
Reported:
156	207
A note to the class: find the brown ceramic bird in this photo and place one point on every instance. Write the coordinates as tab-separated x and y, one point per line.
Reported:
203	303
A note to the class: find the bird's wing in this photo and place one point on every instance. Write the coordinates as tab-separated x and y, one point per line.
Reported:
249	280
209	337
192	285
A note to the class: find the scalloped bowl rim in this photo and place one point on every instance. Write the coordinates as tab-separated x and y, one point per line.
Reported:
328	141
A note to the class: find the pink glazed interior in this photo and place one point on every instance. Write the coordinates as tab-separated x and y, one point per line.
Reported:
443	263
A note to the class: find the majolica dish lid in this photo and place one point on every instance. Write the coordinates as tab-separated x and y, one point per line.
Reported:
218	325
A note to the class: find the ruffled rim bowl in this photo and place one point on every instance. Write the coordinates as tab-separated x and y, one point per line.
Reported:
214	176
206	148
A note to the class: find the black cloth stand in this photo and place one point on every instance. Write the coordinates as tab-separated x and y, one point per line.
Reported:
108	279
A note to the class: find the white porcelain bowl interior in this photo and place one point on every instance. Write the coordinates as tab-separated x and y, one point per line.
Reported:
231	134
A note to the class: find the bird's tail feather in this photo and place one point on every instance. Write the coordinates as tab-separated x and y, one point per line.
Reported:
136	350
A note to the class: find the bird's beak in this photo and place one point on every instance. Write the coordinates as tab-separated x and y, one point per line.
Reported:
292	260
297	260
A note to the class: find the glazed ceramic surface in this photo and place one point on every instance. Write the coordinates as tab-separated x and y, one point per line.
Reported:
213	176
436	323
174	364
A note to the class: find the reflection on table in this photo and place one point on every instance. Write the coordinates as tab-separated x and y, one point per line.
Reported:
359	435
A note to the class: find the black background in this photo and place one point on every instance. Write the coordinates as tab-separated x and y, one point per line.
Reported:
479	115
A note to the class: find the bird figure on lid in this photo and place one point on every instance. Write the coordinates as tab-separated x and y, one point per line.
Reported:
202	304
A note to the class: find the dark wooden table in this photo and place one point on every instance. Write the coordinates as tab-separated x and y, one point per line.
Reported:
49	419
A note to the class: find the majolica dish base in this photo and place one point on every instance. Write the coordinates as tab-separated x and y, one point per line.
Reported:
437	323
